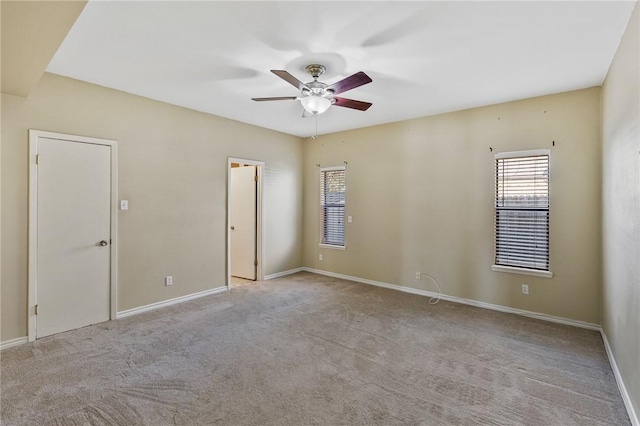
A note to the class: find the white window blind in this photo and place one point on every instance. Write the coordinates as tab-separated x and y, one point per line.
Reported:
332	205
522	210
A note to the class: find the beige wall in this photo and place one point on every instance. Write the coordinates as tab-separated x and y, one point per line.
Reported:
421	196
31	32
621	207
172	169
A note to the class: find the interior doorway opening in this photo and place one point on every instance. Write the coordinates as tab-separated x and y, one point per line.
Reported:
244	221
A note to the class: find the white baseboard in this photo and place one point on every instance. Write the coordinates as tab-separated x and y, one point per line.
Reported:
13	342
282	274
165	303
633	416
500	308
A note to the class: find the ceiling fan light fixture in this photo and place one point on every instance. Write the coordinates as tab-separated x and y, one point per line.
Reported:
315	104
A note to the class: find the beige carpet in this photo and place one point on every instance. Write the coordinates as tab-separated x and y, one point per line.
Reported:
313	350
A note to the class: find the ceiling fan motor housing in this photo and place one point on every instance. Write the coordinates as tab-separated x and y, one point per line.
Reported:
316	88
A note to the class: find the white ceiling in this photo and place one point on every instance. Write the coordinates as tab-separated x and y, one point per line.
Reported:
424	58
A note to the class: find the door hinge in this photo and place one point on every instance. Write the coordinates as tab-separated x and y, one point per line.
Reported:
255	262
256	178
37	159
36	309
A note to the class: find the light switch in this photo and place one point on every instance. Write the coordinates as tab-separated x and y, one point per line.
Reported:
349	219
124	204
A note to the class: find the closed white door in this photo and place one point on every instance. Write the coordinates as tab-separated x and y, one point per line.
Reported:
243	222
73	235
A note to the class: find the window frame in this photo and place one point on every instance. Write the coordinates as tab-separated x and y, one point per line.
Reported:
322	206
519	269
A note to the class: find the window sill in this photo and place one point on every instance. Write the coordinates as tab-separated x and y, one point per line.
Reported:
522	271
330	246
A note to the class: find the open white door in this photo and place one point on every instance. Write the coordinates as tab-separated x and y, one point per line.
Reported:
71	228
243	222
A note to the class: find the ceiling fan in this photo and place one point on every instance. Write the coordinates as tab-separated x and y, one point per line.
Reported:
316	97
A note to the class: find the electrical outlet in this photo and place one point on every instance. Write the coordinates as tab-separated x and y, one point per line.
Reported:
168	280
525	289
320	257
418	276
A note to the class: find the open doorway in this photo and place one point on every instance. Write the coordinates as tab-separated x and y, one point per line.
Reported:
244	221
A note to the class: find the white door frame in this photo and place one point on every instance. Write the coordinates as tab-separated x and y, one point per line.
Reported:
259	216
34	136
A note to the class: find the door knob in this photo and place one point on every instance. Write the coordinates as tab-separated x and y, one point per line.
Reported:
103	243
233	227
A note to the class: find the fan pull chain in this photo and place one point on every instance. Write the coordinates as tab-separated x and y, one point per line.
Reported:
315	118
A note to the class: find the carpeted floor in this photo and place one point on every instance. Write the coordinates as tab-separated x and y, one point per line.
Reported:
313	350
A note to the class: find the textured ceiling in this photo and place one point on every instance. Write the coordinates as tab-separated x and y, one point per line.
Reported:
424	58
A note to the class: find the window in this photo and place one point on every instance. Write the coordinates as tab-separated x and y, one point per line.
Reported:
522	211
332	206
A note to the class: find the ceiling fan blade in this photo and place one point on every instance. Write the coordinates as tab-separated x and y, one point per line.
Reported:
289	79
356	80
350	103
281	98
